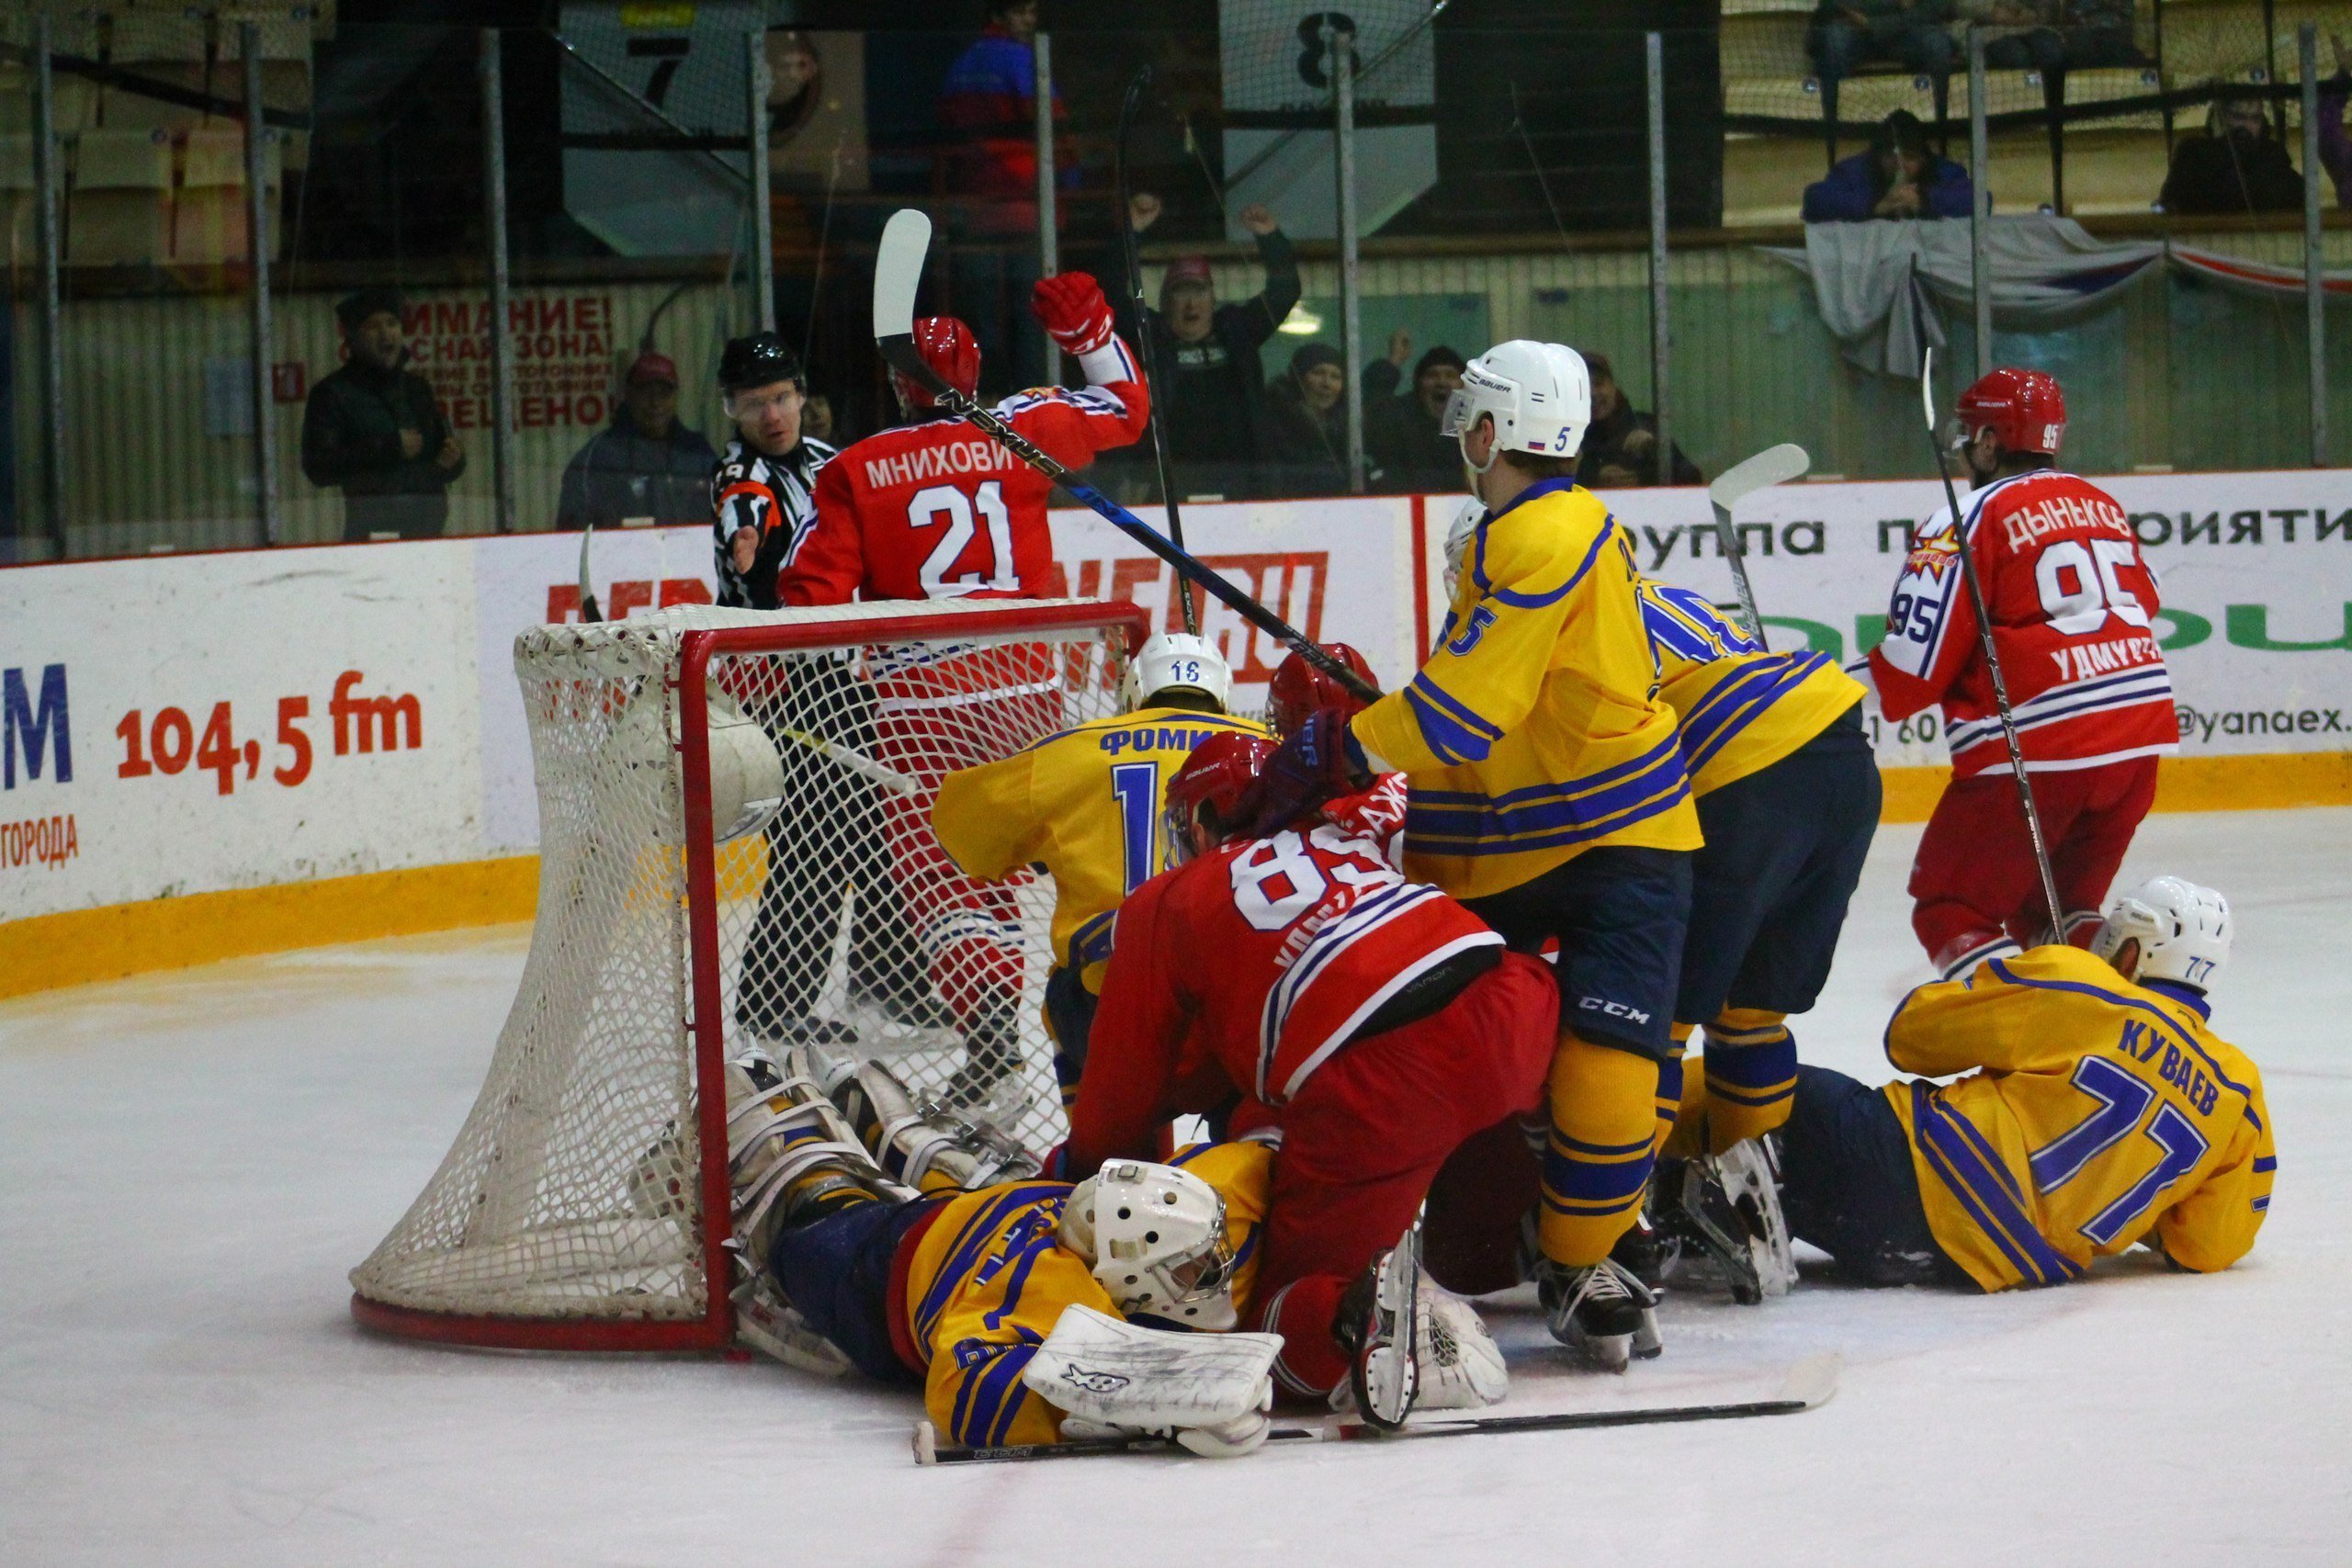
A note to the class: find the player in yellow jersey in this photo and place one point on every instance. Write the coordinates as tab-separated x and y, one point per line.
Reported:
1086	804
2099	1110
1549	795
1788	793
970	1295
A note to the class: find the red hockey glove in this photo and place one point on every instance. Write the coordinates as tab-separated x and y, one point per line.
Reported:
1320	760
1075	314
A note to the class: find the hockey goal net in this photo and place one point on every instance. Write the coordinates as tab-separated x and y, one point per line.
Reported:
585	1203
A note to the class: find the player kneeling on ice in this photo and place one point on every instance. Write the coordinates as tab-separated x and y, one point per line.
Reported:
1028	1311
1369	1024
2099	1110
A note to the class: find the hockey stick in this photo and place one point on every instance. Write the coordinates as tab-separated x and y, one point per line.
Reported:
857	762
1774	465
897	269
589	612
1808	1385
1992	659
1153	381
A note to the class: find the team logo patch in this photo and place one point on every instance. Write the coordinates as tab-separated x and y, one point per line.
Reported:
1934	556
1094	1382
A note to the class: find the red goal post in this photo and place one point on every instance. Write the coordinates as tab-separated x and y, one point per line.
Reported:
570	1213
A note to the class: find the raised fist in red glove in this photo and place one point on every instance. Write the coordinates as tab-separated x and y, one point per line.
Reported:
1317	762
1075	314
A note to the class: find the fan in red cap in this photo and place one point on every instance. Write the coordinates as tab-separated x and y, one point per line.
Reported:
936	510
2072	607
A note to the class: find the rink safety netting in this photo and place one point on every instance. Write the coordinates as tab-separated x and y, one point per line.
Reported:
573	1189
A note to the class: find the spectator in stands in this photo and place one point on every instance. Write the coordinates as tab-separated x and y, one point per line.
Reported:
1898	178
2335	146
1401	434
988	113
1213	389
2055	35
2236	166
1844	34
644	463
1621	446
1310	422
374	429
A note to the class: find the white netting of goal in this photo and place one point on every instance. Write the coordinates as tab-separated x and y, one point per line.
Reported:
572	1192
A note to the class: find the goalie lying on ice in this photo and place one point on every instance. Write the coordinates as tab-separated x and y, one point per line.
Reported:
1027	1311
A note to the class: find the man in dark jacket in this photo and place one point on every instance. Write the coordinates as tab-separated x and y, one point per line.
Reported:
1898	178
645	464
1212	386
376	430
1621	446
1402	434
2236	166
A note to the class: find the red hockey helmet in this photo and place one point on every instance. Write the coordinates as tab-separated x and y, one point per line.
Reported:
1221	772
946	346
1299	688
2024	409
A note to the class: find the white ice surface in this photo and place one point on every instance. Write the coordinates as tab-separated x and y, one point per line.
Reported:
189	1163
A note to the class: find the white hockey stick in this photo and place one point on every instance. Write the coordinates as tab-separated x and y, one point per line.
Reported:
1992	657
857	762
1808	1385
1774	465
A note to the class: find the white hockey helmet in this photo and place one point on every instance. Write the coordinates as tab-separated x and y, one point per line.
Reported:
1457	542
1539	394
633	769
1157	1235
2183	931
1175	658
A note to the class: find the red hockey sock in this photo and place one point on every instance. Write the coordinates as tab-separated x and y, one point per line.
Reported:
1311	1364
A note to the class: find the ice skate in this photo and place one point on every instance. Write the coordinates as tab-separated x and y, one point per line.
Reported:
1600	1312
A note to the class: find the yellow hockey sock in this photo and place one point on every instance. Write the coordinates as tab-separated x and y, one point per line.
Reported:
1751	1074
1597	1164
1689	1139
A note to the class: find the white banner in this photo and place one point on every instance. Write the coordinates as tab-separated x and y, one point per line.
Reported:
234	721
182	725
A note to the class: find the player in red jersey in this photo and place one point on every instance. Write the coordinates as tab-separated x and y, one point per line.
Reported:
2071	604
1369	1024
937	509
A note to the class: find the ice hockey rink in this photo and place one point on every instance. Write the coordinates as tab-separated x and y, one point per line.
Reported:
189	1162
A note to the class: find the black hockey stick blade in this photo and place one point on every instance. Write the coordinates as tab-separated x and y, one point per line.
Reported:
898	270
1809	1384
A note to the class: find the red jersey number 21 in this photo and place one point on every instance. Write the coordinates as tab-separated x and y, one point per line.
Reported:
945	501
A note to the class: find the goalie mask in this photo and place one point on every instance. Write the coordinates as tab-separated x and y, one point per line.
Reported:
1540	395
2183	931
1157	1239
1175	659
